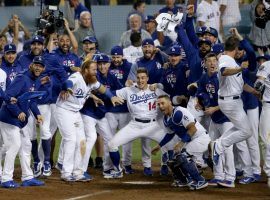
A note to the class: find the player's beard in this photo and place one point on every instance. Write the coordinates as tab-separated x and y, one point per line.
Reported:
91	79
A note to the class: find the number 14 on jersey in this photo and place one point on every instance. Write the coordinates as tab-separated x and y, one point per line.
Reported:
152	105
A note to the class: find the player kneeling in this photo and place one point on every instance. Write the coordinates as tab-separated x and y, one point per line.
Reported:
194	140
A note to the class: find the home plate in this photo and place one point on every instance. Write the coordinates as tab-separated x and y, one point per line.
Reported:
139	182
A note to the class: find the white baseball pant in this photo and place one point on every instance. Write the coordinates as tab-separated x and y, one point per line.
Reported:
264	128
1	155
253	141
16	141
117	121
44	128
134	130
91	126
225	169
242	158
51	129
71	128
233	109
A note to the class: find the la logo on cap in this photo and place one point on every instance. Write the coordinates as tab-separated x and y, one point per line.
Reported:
9	46
101	57
36	38
115	53
173	49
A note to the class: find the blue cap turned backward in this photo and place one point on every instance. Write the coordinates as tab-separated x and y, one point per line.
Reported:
117	50
147	42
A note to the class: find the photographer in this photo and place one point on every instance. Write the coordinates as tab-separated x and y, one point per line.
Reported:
260	30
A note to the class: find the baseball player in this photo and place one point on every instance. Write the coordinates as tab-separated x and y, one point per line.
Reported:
76	90
9	64
179	121
263	83
244	53
90	51
141	102
153	61
3	80
94	116
231	85
61	63
13	120
207	95
119	116
37	49
196	66
174	78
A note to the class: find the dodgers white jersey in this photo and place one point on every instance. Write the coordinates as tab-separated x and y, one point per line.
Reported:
132	53
264	71
3	79
142	104
229	85
209	14
81	92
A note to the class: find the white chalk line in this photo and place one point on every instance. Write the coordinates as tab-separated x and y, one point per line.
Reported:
90	195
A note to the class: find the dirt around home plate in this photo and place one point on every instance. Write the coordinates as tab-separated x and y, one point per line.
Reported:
132	187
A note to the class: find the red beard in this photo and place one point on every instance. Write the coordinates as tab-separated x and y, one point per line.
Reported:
92	79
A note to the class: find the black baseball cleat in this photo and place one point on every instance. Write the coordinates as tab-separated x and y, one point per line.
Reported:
98	163
91	162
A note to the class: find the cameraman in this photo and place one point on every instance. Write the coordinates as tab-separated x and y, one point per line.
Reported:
260	30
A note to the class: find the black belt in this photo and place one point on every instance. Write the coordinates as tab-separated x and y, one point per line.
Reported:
234	97
144	120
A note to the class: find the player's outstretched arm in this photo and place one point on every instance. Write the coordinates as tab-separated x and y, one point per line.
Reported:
116	100
229	71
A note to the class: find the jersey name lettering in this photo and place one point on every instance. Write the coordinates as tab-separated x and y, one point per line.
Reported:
134	98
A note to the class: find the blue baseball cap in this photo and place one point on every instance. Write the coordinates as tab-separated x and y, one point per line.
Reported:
175	50
90	39
103	58
147	42
204	41
38	39
217	48
117	50
200	30
10	48
212	31
149	18
39	60
265	57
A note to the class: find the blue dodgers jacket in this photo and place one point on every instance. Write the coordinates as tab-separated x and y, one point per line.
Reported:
23	83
